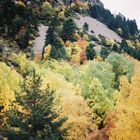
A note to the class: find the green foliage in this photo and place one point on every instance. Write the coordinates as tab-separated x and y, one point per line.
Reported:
47	6
36	120
90	74
69	28
94	38
58	53
76	8
101	70
127	47
116	48
105	51
124	45
56	42
14	18
85	27
121	66
85	37
56	34
99	101
90	52
103	40
106	42
23	40
17	23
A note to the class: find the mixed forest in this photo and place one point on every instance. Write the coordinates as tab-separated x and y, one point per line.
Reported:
81	86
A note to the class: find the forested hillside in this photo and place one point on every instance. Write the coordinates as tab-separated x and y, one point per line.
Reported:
69	70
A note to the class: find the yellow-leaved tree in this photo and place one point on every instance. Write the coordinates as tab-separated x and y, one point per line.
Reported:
9	82
127	111
79	117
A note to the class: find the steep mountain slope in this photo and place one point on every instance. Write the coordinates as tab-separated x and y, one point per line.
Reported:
97	27
80	84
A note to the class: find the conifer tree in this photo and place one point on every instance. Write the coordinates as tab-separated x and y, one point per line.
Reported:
85	27
90	52
69	28
104	52
36	120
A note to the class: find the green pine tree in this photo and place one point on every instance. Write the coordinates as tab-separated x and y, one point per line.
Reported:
104	52
85	27
90	52
37	121
69	28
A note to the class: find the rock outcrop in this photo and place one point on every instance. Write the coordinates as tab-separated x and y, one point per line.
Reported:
98	2
91	2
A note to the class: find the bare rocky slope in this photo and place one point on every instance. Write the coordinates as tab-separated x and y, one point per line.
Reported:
39	42
97	28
